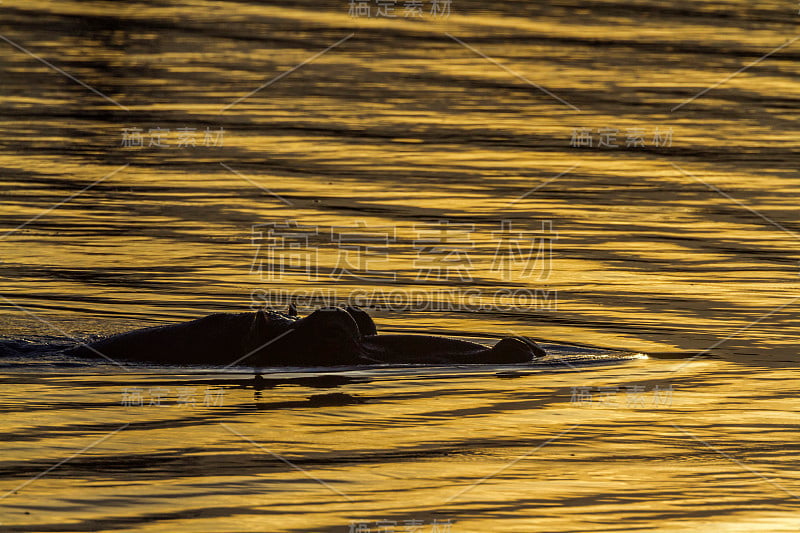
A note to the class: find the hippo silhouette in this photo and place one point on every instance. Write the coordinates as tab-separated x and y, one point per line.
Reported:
327	337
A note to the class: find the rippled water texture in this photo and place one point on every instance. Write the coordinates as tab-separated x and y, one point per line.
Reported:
674	233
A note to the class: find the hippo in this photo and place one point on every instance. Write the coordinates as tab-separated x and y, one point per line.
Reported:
332	336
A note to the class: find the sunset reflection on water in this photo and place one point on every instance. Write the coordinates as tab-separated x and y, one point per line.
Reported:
672	221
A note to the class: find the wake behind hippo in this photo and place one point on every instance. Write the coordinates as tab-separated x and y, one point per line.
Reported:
327	337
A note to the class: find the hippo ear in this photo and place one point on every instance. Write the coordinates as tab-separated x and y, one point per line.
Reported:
292	311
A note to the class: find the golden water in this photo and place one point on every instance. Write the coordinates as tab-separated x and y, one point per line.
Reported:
684	247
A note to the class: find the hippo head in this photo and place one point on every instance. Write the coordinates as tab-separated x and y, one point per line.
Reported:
327	336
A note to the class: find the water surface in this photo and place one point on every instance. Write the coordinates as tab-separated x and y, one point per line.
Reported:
680	245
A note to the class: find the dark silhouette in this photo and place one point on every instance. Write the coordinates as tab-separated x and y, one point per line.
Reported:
327	337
